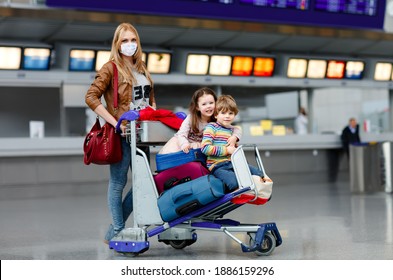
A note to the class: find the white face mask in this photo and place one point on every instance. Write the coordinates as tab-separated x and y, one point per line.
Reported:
128	49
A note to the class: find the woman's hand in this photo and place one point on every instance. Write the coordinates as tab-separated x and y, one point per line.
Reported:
123	129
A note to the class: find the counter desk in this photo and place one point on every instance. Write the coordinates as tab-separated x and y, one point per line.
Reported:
59	160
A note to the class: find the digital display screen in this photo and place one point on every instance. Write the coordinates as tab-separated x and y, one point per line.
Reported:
36	59
264	66
287	4
214	1
326	13
81	60
10	58
358	7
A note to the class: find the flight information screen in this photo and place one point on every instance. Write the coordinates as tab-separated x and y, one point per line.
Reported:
286	4
358	7
368	14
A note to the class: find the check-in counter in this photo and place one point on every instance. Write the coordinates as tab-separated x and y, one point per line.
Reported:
317	158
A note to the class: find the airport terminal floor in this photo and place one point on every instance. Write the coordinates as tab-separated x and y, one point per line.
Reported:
317	221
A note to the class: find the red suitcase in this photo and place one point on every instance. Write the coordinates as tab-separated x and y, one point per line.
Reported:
179	174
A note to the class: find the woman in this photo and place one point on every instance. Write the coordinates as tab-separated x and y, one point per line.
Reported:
301	122
135	90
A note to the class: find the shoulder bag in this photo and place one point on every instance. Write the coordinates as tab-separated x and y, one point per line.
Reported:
102	144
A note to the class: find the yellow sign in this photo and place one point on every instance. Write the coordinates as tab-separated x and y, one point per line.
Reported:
266	124
279	130
256	130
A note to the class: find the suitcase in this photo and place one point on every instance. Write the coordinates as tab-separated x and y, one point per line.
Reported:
179	174
166	161
190	196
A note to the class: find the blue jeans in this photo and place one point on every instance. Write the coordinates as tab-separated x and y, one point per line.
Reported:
224	171
119	208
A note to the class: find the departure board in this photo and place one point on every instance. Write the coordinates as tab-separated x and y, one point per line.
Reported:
286	4
358	7
214	1
359	14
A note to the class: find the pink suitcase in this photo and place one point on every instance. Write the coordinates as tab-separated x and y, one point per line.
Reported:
179	174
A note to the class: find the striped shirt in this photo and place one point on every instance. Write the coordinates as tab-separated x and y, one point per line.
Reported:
214	141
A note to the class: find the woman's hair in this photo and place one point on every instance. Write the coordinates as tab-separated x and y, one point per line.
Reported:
226	103
123	65
195	113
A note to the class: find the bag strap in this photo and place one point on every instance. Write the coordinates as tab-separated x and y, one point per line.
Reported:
115	85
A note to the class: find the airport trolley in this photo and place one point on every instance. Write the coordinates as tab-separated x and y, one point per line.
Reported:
181	232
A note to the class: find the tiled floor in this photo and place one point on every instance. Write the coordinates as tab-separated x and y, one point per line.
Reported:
317	222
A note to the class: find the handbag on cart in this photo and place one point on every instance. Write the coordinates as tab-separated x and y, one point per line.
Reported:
261	195
102	145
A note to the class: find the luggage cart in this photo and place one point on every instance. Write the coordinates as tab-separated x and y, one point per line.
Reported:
181	232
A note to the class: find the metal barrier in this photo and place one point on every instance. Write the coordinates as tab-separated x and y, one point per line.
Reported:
387	167
365	167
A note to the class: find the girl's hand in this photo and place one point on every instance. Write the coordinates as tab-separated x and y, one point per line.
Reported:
195	145
186	148
232	141
231	150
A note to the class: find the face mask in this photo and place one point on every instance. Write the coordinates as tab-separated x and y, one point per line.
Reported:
128	49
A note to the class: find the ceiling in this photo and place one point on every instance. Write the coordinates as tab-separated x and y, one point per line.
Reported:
44	25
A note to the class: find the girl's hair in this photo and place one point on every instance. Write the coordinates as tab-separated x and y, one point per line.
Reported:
196	114
226	103
123	65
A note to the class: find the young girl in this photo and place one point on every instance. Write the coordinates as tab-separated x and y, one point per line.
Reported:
190	134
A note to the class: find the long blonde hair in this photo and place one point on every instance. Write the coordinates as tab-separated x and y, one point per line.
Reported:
124	66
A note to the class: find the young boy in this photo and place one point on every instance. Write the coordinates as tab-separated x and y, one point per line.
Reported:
215	145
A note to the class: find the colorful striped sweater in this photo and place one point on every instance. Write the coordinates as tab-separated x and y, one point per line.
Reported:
215	137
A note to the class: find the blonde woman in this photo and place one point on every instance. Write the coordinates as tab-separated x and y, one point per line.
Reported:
135	91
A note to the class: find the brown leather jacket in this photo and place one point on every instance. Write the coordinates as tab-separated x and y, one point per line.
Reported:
103	85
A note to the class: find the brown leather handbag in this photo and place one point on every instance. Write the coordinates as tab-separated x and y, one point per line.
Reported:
102	144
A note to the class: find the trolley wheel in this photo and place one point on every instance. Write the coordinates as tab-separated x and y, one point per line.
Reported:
267	246
178	244
128	254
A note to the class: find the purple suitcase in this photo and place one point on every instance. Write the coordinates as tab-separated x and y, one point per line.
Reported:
179	174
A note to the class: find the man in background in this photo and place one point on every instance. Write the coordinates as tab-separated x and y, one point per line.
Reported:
350	135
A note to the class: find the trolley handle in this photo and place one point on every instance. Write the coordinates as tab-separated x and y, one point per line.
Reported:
257	157
131	115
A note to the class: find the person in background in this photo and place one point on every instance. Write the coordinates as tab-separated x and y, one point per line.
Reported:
350	135
214	144
189	136
301	122
135	88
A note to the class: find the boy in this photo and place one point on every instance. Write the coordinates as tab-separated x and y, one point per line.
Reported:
214	143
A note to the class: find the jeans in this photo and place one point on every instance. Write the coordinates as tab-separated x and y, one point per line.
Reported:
224	171
119	208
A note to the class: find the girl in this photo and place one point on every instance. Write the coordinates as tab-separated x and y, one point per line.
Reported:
190	134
